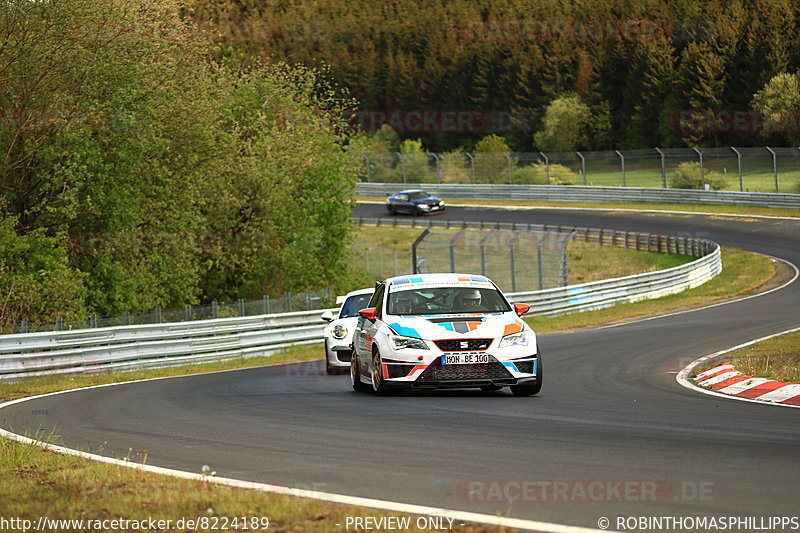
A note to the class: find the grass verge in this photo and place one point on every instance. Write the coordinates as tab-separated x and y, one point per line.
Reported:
777	358
628	206
742	272
35	482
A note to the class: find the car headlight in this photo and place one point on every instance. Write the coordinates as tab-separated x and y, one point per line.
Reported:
515	339
339	331
407	342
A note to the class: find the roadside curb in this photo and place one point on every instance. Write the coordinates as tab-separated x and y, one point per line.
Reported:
725	381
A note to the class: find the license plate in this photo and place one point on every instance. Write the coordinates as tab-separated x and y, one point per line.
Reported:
465	359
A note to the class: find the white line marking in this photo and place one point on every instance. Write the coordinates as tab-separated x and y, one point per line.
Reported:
719	378
499	521
742	386
782	394
714	370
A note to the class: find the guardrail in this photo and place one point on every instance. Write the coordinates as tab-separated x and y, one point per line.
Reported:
160	345
579	193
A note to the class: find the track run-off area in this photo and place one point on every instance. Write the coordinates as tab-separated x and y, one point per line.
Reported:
611	434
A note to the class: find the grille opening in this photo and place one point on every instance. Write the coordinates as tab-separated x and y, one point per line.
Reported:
463	345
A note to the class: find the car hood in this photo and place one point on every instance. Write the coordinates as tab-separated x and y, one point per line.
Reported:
434	327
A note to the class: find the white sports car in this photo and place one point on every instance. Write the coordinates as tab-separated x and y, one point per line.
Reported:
433	331
339	333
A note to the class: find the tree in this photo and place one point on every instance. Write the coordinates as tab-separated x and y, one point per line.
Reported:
779	102
565	124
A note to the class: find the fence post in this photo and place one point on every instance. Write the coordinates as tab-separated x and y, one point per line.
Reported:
265	299
158	315
483	251
546	167
583	166
214	310
663	169
403	165
739	164
438	167
240	305
510	174
472	165
288	303
369	173
395	261
127	318
414	250
774	166
308	299
93	320
702	168
59	323
539	262
187	312
23	326
622	163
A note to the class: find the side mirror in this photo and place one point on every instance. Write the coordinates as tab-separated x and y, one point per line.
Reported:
327	316
521	309
369	313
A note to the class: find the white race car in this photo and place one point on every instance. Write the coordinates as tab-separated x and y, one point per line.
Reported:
431	331
339	333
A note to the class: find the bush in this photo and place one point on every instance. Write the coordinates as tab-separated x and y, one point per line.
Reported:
36	282
689	176
536	174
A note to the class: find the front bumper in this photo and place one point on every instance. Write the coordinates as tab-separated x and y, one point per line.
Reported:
436	375
338	353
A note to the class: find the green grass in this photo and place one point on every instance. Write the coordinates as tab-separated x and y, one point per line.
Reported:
777	358
742	272
586	261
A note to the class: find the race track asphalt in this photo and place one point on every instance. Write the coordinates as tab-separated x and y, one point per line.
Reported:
611	434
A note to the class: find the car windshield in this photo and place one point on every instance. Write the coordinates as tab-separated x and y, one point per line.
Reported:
354	304
418	195
446	300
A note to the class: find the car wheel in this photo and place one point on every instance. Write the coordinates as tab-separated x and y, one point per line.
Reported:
392	210
355	375
378	384
532	389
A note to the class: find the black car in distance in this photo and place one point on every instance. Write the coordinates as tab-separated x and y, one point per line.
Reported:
414	202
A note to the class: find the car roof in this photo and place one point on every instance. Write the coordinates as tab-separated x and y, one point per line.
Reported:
411	190
443	279
341	299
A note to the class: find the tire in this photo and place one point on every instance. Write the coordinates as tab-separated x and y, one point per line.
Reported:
530	389
355	375
379	386
392	210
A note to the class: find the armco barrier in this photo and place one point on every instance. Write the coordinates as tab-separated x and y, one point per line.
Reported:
157	345
575	193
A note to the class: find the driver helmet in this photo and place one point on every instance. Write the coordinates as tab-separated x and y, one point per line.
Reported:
471	298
